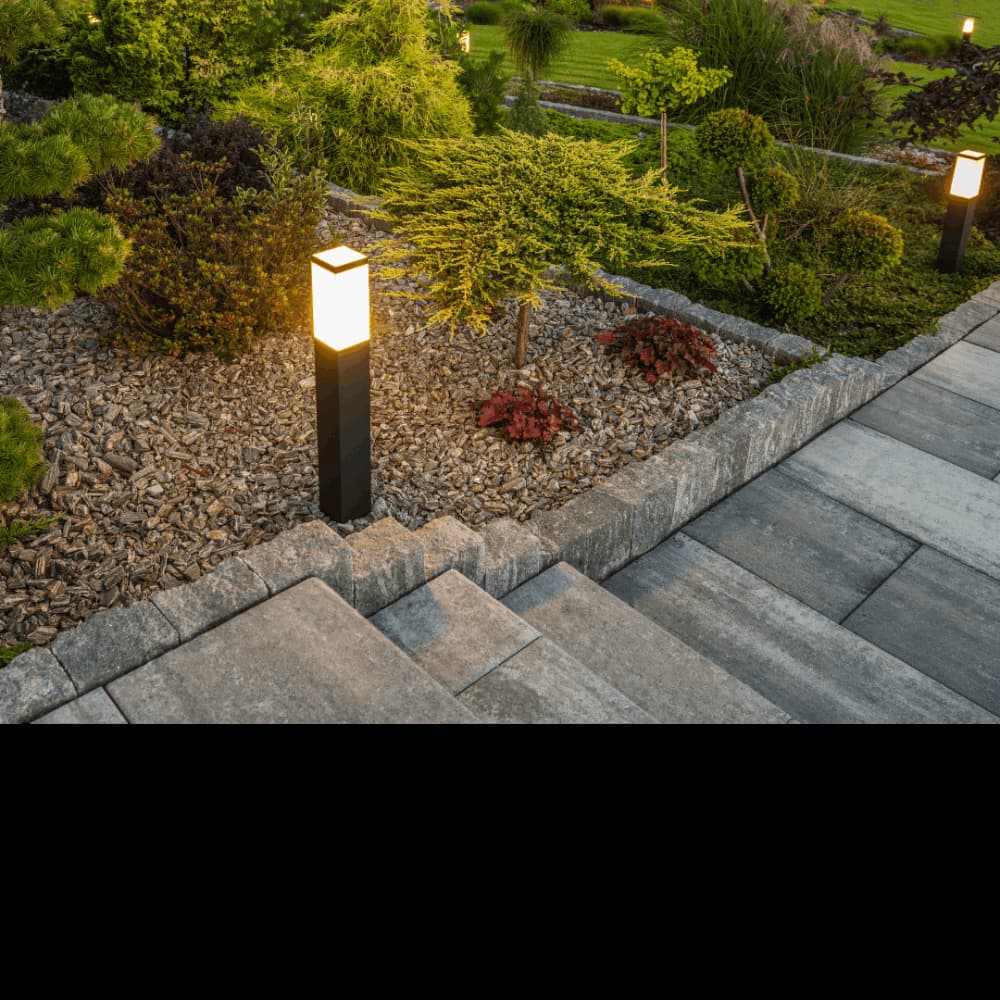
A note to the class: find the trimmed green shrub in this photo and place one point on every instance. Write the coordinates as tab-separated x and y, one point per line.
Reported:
576	10
483	12
636	19
371	81
484	84
743	261
21	441
792	293
735	138
211	272
772	190
864	243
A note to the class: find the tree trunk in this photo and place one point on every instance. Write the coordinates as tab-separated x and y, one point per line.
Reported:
663	147
523	321
761	235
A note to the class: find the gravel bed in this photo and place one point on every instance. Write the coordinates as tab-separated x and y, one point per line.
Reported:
160	467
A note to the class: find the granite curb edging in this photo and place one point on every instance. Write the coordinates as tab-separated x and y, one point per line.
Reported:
596	532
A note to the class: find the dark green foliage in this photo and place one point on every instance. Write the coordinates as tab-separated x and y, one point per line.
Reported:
735	138
814	80
484	84
864	243
17	530
21	441
916	48
484	12
371	80
535	38
525	415
8	653
773	189
743	261
792	293
637	19
944	107
210	272
660	345
575	10
527	114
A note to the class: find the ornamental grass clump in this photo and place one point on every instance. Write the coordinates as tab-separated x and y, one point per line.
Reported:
660	345
526	415
21	460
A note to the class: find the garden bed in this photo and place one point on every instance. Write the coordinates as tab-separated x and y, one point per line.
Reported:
162	467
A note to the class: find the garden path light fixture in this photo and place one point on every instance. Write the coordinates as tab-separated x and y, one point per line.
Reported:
341	334
968	26
465	42
963	192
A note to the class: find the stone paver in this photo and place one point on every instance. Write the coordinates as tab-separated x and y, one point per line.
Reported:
454	630
449	544
814	548
815	670
114	642
230	588
651	667
312	549
94	708
33	683
943	618
914	493
304	656
967	369
940	422
543	684
388	562
513	554
988	335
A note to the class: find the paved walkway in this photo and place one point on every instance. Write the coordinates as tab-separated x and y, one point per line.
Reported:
858	580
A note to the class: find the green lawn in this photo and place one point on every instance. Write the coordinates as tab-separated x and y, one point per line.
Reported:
932	17
584	60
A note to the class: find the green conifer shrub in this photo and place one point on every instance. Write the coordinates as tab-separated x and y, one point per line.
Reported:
793	293
21	441
862	243
371	80
484	84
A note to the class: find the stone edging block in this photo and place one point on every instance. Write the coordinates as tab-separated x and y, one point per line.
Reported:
388	563
311	549
34	683
449	544
513	554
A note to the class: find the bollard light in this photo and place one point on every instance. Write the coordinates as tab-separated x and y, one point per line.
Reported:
963	192
465	42
968	26
341	334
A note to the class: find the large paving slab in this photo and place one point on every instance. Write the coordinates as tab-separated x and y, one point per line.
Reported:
543	684
943	618
814	548
814	669
303	656
988	335
969	370
454	630
649	666
940	422
94	708
917	494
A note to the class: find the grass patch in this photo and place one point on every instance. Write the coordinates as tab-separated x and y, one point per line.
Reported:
583	61
931	17
7	653
868	316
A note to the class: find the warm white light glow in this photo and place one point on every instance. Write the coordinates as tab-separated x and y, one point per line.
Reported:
341	316
465	42
968	174
967	27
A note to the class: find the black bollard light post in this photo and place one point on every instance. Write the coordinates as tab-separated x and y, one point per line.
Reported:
963	192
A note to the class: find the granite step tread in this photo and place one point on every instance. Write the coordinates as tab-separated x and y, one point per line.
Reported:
654	669
302	656
814	669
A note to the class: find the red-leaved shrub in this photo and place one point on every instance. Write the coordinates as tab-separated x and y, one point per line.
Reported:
526	415
658	345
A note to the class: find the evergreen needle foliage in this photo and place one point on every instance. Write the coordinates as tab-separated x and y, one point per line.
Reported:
485	218
21	461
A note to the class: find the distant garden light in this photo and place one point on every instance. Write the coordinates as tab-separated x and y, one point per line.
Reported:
963	192
968	26
341	334
465	42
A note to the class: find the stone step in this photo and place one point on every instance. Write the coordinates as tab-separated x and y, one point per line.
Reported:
304	655
651	667
811	667
496	663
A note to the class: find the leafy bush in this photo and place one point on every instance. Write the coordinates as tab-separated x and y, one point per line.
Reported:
371	80
773	189
576	10
659	345
483	12
792	293
643	22
743	262
526	415
815	78
734	137
21	461
211	272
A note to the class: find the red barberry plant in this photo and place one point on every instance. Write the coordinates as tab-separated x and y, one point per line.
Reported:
526	415
658	345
